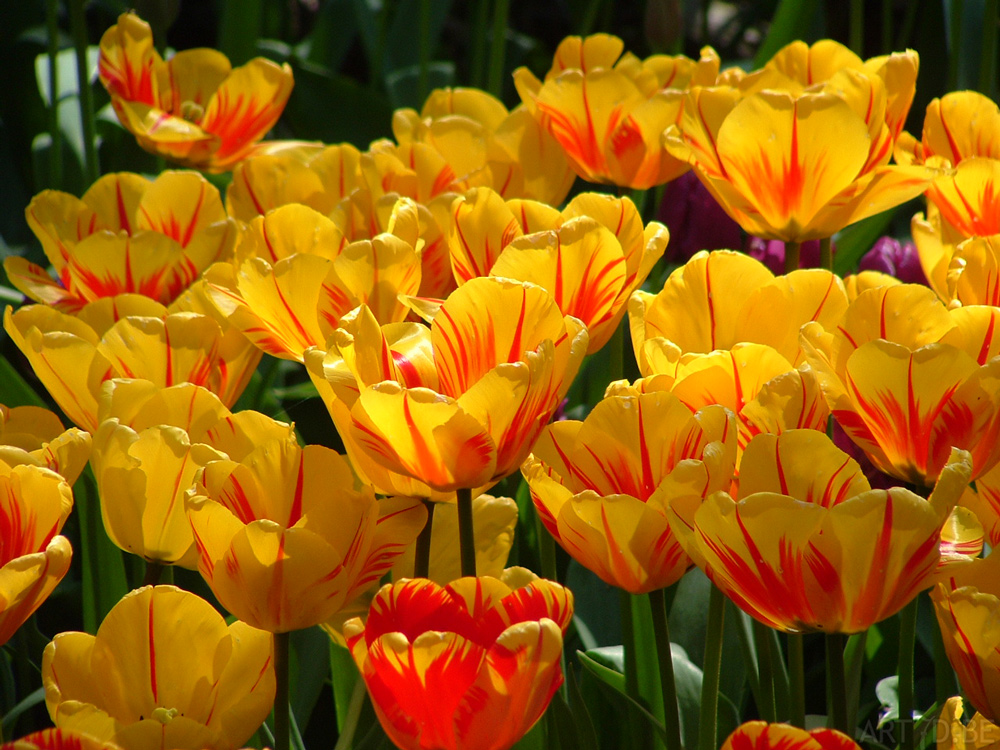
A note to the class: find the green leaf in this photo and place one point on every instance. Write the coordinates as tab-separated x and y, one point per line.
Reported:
794	19
333	33
343	676
887	692
310	669
402	43
402	83
66	73
14	390
34	698
104	582
856	240
239	29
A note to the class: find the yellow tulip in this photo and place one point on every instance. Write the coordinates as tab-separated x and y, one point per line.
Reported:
471	665
193	109
974	272
957	126
952	734
608	110
173	675
57	739
809	545
908	379
603	486
35	436
763	736
126	235
286	538
34	504
456	405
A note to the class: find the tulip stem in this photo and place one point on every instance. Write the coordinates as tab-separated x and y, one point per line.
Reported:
466	534
78	22
628	646
661	631
838	682
423	78
282	726
907	643
797	677
792	252
708	715
422	553
762	636
501	10
55	132
857	27
153	572
826	254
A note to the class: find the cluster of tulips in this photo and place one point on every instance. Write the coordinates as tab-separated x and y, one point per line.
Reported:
442	303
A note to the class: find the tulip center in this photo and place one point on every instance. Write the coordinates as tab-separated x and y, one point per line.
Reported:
164	715
192	111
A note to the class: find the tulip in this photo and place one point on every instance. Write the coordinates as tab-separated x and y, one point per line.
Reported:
974	272
33	435
608	115
953	734
763	736
603	487
772	254
173	675
126	235
472	392
285	538
34	505
193	109
958	126
57	739
908	379
471	665
895	258
795	550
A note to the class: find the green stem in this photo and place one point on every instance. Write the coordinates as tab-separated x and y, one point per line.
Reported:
988	53
282	727
825	254
708	716
55	152
546	551
466	533
661	631
854	660
838	681
480	20
78	22
945	685
744	637
887	28
762	636
425	52
907	643
497	50
792	252
616	352
628	646
350	726
797	679
422	553
858	27
153	572
955	43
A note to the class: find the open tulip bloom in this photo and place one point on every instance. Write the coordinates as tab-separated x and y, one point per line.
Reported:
193	109
807	545
33	435
470	665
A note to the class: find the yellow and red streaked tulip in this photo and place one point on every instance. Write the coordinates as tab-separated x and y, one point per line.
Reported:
603	486
34	504
494	520
193	109
33	435
796	550
967	604
58	739
590	257
760	735
318	178
148	449
954	734
974	272
791	186
470	665
126	235
129	336
472	392
908	379
957	126
286	537
720	299
962	537
293	297
608	110
856	283
174	675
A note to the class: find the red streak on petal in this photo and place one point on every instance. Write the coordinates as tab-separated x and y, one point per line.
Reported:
152	654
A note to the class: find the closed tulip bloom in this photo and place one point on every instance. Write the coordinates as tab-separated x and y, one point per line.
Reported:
174	675
908	379
789	184
58	739
33	435
469	666
127	234
603	486
301	278
286	538
795	550
34	504
193	109
760	735
150	445
456	405
967	604
957	126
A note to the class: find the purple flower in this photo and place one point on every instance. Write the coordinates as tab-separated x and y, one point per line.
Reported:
890	256
772	253
695	220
